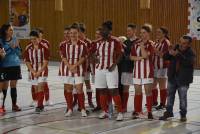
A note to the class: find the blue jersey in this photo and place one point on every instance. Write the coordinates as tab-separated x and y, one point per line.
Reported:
12	57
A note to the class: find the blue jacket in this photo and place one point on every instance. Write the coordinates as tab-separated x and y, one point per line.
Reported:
12	54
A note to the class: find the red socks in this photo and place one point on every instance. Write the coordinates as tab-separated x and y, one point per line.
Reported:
155	95
89	94
149	103
125	101
98	99
138	103
40	98
34	97
69	99
81	100
46	91
104	102
118	102
163	96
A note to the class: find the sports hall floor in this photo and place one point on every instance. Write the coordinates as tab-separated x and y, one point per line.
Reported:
53	121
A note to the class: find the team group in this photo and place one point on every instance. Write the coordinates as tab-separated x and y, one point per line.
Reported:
114	63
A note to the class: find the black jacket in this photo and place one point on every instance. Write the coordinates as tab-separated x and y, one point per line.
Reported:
184	75
125	64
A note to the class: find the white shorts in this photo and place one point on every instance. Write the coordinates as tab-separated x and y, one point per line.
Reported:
160	73
36	81
87	76
73	80
142	81
106	79
127	78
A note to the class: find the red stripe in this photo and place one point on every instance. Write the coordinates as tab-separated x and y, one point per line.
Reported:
73	56
109	53
103	55
67	56
36	58
41	56
78	56
139	69
97	66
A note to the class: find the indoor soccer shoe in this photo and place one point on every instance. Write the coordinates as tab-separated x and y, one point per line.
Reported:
39	110
150	116
69	113
161	106
120	117
2	111
15	108
83	113
135	115
103	115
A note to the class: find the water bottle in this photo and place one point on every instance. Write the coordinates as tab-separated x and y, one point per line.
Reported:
110	110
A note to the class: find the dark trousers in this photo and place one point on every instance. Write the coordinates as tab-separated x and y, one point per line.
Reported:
182	92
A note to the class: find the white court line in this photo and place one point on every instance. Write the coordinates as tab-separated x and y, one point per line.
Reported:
125	127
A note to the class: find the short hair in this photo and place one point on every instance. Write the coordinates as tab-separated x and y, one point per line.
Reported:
165	31
34	33
186	37
40	30
67	28
74	26
131	25
108	25
147	27
82	27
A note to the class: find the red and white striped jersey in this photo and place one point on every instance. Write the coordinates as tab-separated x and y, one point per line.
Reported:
73	53
106	51
163	47
36	57
45	43
143	68
62	67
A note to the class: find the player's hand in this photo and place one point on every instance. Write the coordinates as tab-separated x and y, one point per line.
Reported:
37	74
2	52
111	68
73	68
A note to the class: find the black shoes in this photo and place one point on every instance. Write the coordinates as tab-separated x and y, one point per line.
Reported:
39	110
166	115
96	109
135	115
150	116
161	106
183	118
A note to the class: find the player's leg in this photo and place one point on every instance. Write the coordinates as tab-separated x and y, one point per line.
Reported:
149	98
137	99
13	94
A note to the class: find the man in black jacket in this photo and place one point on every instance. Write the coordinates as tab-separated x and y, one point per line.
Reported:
180	75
